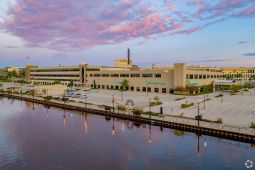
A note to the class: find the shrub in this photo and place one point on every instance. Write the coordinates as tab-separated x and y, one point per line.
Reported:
156	98
252	125
232	93
187	105
220	95
48	98
64	99
219	120
137	111
155	103
180	98
121	108
151	113
199	117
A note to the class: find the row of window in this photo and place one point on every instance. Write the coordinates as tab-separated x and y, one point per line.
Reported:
132	88
67	70
202	76
45	75
157	75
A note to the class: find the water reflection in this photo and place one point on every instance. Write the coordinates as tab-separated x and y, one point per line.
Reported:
28	132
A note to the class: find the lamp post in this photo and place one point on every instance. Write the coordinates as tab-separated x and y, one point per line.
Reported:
85	97
113	100
198	110
204	101
150	107
147	87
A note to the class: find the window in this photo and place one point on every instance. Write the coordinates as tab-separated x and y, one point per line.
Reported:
196	76
124	75
107	86
187	76
105	75
97	75
200	76
116	87
114	75
91	85
144	89
132	88
158	75
135	75
98	86
191	76
149	89
91	75
204	76
208	76
137	88
156	90
163	90
147	75
103	86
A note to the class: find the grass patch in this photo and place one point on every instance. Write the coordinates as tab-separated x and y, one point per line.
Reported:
219	121
252	125
155	103
178	99
187	105
232	93
220	95
151	113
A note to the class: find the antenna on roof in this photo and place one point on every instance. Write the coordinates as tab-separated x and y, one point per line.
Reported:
128	56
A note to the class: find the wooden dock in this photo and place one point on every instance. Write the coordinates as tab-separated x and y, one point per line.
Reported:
207	128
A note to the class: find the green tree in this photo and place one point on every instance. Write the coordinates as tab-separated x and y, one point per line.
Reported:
70	84
253	77
124	84
56	82
94	84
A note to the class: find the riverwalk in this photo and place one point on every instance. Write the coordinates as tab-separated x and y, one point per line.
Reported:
237	133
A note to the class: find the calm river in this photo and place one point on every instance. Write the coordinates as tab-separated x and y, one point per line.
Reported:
33	137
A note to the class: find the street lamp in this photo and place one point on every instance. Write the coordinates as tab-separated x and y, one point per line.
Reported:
150	107
147	87
204	101
85	98
113	100
198	110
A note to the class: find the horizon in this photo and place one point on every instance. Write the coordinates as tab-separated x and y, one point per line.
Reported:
49	33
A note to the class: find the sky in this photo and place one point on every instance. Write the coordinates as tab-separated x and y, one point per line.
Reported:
161	32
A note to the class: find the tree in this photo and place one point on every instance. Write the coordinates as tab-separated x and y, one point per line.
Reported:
94	84
70	84
124	84
253	77
156	98
56	82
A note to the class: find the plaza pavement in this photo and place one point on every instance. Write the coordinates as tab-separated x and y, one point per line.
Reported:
234	110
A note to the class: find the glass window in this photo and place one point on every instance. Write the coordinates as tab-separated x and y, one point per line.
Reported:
135	75
158	75
114	75
124	75
147	75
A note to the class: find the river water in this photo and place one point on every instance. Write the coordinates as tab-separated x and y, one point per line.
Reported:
33	137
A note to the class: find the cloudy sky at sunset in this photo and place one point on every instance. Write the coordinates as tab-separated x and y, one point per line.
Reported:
162	32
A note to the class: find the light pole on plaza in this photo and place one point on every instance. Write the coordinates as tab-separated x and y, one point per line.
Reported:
85	98
147	87
113	100
198	114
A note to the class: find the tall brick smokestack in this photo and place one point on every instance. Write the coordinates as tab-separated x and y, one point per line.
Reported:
128	56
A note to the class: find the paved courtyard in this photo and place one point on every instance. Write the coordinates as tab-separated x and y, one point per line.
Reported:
234	109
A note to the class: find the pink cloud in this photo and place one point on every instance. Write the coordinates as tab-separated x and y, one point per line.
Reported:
76	24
